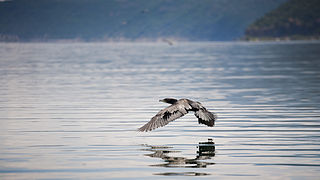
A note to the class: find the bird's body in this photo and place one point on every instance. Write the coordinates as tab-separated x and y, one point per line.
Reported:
177	109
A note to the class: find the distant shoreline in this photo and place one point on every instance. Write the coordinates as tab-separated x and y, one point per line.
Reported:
170	42
286	38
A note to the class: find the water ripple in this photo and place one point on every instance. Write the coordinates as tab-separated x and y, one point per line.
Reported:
71	110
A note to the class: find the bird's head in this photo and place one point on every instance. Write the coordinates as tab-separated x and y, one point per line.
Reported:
168	100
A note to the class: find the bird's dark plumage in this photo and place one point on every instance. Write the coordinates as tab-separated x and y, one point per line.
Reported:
177	109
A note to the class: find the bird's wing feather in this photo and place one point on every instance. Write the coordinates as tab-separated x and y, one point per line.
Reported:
165	116
204	116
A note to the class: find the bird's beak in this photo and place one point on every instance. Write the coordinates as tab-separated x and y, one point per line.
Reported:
161	100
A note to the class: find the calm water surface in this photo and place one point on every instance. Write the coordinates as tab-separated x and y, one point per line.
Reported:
71	110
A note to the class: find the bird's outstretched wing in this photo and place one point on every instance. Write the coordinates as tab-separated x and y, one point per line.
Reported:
165	116
204	116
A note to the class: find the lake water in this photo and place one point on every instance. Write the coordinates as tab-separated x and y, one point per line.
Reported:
71	110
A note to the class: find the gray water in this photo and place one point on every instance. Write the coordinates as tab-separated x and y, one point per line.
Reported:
71	110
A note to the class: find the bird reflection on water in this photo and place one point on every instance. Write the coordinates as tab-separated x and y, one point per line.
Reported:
206	151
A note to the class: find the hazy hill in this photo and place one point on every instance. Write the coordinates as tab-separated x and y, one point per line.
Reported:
26	20
295	19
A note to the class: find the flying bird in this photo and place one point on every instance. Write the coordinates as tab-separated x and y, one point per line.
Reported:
177	109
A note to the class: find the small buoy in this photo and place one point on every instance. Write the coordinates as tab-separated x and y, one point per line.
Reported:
207	148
